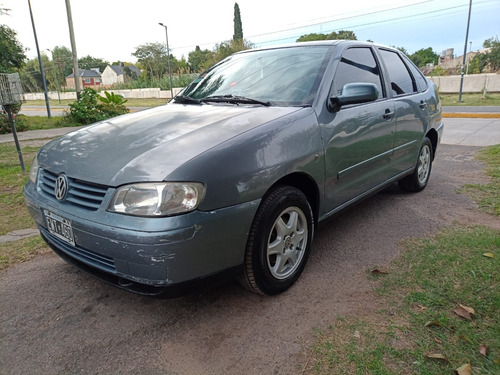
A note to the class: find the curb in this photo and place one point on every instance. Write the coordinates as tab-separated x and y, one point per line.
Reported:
471	115
18	235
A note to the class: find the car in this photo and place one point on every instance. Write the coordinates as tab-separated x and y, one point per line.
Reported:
231	177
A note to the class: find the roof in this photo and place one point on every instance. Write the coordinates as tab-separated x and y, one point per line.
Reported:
119	70
85	73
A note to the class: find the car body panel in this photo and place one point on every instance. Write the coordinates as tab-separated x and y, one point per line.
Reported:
135	145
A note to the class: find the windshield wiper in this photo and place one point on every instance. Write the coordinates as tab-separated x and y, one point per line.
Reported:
234	99
183	99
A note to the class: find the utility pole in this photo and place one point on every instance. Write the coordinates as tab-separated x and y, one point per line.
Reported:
465	53
168	59
55	74
40	63
76	71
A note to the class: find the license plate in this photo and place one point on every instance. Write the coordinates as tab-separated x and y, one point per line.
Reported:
59	227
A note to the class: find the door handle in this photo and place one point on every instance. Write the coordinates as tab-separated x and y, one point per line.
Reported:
422	104
388	114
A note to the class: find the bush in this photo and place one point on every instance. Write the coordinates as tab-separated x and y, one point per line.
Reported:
21	123
87	109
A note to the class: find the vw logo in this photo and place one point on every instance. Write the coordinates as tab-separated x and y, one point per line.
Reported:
61	187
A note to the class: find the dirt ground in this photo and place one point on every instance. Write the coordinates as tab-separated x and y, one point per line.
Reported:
55	319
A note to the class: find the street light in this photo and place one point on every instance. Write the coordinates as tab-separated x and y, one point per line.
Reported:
168	57
465	54
55	74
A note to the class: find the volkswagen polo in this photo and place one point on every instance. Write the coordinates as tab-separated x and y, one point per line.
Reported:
231	177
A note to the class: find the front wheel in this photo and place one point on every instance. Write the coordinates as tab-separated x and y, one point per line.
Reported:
418	180
279	242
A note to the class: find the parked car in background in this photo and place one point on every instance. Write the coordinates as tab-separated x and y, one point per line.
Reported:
232	176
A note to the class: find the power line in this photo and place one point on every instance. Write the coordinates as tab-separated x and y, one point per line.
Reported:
344	18
377	22
399	18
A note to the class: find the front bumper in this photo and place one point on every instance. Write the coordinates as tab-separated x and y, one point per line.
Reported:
148	255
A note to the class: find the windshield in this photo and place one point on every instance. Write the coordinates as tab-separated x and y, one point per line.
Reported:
284	76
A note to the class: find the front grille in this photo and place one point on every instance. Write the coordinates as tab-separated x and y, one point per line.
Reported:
82	194
83	255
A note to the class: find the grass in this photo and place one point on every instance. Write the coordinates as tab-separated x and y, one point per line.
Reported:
14	214
470	100
488	196
42	122
419	294
21	251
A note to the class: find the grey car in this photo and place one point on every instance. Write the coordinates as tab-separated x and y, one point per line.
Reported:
231	177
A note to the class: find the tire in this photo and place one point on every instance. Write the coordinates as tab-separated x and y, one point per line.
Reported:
417	181
279	242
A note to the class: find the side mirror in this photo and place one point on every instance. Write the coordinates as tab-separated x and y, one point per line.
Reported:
353	93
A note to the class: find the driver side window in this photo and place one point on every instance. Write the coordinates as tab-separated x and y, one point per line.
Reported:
358	65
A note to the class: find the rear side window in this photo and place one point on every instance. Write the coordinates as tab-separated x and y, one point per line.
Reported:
358	65
402	82
417	75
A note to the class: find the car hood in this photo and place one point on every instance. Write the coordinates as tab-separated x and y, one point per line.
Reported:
149	145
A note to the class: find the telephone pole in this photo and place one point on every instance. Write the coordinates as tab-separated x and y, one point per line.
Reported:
76	71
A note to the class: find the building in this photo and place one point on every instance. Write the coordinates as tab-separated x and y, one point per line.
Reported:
88	78
117	74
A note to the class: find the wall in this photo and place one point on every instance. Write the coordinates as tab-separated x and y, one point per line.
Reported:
473	83
127	94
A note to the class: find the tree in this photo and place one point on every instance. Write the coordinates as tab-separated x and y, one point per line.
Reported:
227	48
238	27
63	59
342	34
31	77
89	62
200	60
12	53
491	42
402	49
311	37
491	59
424	56
153	59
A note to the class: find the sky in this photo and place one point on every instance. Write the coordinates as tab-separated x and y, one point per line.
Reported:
113	29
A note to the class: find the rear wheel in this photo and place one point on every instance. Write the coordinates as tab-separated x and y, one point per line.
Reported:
279	242
418	180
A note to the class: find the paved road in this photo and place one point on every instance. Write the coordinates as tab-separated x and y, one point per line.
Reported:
471	132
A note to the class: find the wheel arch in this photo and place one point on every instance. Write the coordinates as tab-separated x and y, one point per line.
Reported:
433	137
307	185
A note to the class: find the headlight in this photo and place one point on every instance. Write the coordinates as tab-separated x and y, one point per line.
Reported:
34	170
157	199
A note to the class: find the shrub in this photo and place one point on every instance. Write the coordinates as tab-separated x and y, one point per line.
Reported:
21	123
87	109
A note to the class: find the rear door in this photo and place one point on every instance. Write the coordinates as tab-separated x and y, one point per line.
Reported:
358	138
410	110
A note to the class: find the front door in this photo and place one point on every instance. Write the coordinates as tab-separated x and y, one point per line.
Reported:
358	138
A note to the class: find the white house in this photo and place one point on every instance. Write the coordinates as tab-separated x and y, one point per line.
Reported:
116	74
